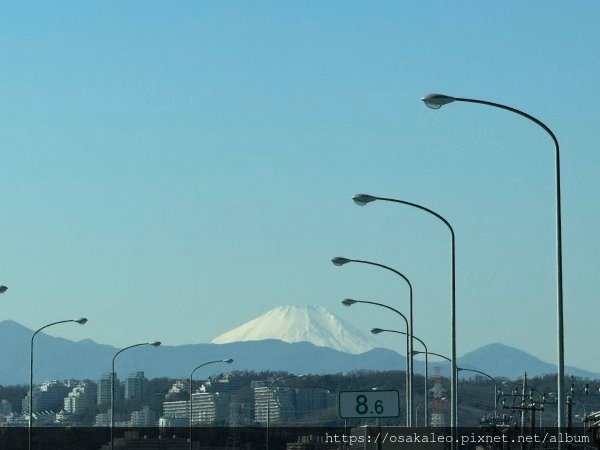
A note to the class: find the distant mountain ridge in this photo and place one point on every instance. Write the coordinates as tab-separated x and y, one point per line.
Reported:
58	358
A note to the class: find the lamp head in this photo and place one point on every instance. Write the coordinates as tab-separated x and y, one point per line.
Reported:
436	101
339	261
155	344
228	360
363	199
3	289
376	330
81	321
348	302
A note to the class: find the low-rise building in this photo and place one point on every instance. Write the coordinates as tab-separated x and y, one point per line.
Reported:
143	418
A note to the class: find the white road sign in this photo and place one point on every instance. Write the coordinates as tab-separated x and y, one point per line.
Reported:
353	404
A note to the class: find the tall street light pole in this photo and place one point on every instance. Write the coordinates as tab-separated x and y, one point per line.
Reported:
350	302
364	199
426	353
495	386
277	380
339	261
436	101
426	397
227	361
81	321
112	388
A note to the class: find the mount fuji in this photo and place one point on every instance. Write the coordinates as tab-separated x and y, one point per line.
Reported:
313	324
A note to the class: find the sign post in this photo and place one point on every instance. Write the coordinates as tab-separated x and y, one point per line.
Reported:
369	404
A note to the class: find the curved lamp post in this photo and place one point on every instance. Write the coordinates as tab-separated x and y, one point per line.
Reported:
426	398
495	386
277	380
81	321
363	199
436	101
227	361
426	353
339	261
350	302
112	388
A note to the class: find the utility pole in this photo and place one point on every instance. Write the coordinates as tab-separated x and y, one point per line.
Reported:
523	404
569	413
527	407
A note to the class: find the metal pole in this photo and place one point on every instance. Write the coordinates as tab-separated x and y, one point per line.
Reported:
112	389
426	388
190	415
349	302
410	362
427	353
360	199
29	431
30	393
228	361
269	402
112	404
559	264
268	413
379	330
495	386
569	413
408	405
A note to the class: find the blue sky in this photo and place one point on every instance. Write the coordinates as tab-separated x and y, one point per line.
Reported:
171	170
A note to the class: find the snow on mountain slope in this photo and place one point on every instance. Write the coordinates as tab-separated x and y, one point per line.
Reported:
313	324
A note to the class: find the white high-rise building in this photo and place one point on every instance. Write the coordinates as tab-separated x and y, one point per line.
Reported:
83	396
278	403
208	408
176	410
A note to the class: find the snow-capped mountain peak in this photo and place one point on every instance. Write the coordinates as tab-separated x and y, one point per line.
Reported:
313	324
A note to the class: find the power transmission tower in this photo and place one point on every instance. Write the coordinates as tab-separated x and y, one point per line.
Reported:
438	418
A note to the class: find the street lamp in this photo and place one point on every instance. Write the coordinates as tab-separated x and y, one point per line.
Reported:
81	321
364	199
350	302
436	101
426	353
426	398
277	380
227	361
3	289
495	386
112	389
339	261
